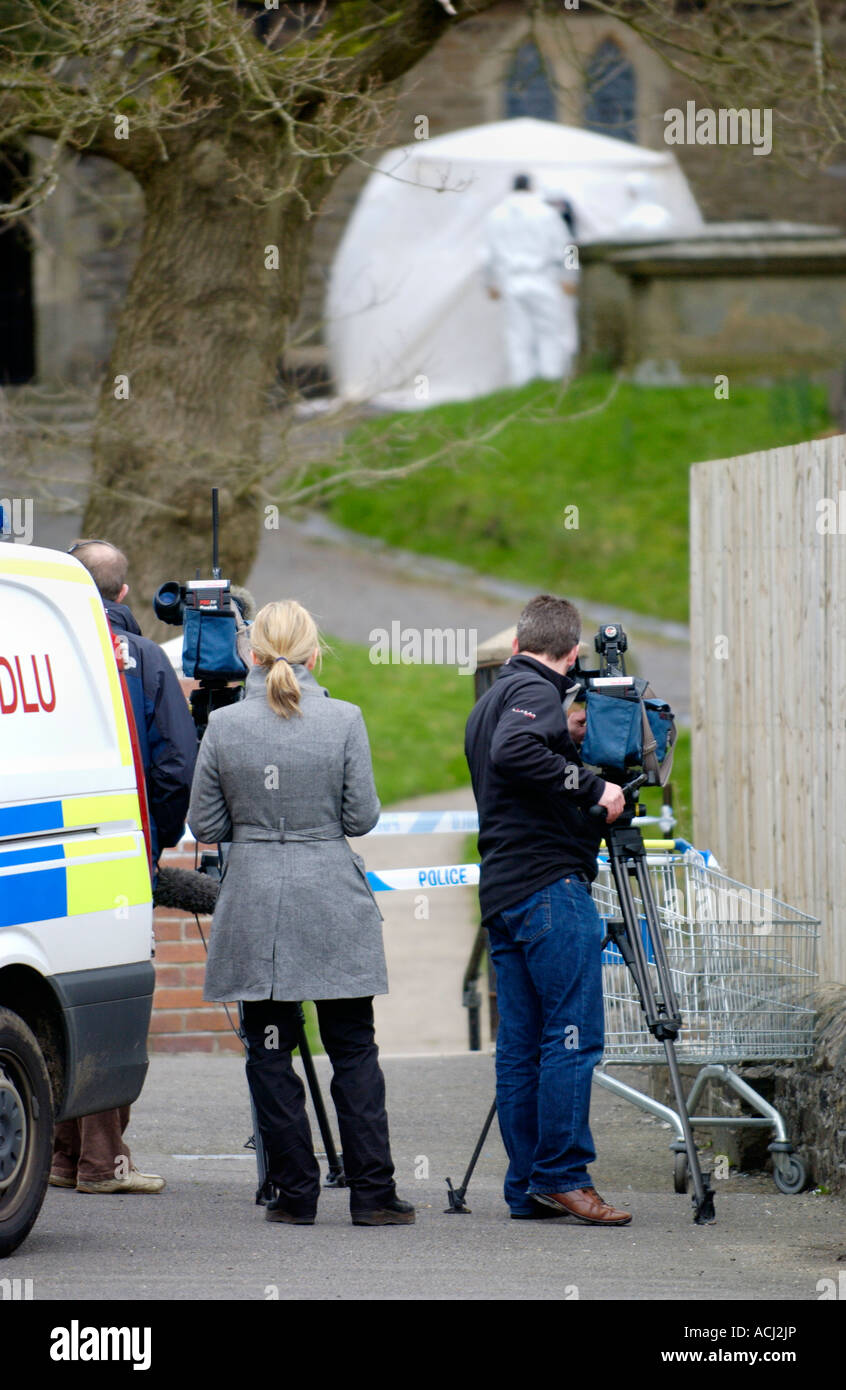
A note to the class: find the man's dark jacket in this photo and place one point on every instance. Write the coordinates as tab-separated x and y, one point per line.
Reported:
166	730
532	790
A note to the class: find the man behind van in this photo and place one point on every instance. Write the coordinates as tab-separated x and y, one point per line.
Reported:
89	1153
166	730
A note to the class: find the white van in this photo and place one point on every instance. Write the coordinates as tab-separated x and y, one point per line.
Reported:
76	916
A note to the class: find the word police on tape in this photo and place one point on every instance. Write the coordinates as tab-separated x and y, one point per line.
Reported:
437	876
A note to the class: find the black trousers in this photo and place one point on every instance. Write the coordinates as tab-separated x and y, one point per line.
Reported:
358	1094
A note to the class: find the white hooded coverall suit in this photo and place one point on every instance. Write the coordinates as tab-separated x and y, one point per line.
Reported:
527	249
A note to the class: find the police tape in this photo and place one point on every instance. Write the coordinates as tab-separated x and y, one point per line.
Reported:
414	823
436	823
426	823
437	876
452	822
466	875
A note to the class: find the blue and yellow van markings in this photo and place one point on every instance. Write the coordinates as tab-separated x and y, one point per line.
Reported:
33	897
13	564
97	810
27	820
95	873
8	858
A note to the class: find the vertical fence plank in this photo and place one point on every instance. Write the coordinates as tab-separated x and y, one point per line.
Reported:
769	722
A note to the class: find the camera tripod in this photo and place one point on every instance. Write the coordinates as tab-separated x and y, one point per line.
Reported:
335	1176
627	857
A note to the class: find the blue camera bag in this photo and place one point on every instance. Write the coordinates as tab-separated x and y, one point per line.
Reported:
632	730
208	646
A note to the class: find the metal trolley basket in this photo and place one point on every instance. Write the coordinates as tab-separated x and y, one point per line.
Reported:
743	965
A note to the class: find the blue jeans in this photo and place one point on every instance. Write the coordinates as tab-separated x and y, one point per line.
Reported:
547	956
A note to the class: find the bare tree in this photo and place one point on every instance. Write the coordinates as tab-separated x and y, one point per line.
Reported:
234	134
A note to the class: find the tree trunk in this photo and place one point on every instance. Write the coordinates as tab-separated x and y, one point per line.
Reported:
199	335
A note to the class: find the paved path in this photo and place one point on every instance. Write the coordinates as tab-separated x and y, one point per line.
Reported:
354	584
204	1239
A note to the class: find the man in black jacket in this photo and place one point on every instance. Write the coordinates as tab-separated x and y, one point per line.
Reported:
538	849
90	1153
166	731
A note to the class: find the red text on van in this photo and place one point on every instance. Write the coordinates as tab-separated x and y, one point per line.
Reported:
20	686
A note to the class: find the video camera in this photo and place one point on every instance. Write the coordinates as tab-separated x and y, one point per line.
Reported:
628	727
212	622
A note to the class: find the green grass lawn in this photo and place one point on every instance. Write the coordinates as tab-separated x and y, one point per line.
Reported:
501	506
415	718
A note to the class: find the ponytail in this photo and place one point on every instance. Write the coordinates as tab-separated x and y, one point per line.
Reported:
283	689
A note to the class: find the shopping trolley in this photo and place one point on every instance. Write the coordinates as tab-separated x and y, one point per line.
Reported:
743	968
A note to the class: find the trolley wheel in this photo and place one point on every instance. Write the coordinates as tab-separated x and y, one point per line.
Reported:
789	1173
680	1173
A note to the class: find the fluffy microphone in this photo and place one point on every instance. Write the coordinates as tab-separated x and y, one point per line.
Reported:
187	889
244	600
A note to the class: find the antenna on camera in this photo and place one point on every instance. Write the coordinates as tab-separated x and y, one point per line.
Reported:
215	530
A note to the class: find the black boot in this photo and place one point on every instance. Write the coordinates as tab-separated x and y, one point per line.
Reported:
391	1213
279	1209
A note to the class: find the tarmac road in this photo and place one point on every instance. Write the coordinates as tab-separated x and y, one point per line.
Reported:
203	1238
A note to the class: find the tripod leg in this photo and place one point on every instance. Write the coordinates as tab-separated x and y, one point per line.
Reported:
335	1177
703	1197
457	1205
657	1014
628	860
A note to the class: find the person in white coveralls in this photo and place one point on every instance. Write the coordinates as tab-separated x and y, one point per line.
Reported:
645	217
528	267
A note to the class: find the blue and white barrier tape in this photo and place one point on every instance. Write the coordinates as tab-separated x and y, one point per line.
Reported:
426	822
466	875
433	823
415	823
453	822
437	876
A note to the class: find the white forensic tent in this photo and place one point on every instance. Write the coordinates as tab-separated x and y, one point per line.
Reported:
409	323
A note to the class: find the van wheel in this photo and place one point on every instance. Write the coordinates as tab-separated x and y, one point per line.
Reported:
26	1130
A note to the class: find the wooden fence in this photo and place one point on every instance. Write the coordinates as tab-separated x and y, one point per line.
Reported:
768	676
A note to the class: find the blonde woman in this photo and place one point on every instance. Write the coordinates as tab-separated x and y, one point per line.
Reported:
285	775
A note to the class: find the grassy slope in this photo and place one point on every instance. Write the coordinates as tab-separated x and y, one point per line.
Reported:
500	507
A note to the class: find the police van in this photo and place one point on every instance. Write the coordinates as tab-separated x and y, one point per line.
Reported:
76	915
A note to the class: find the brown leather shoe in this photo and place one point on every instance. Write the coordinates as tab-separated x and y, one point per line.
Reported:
585	1204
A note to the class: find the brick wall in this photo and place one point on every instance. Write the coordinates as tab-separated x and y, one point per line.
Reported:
182	1021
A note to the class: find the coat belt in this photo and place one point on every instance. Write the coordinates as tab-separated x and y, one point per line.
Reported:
331	830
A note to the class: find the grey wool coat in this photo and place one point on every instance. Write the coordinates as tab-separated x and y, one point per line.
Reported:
295	918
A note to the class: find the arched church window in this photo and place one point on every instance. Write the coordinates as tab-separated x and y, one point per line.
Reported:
528	91
610	99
